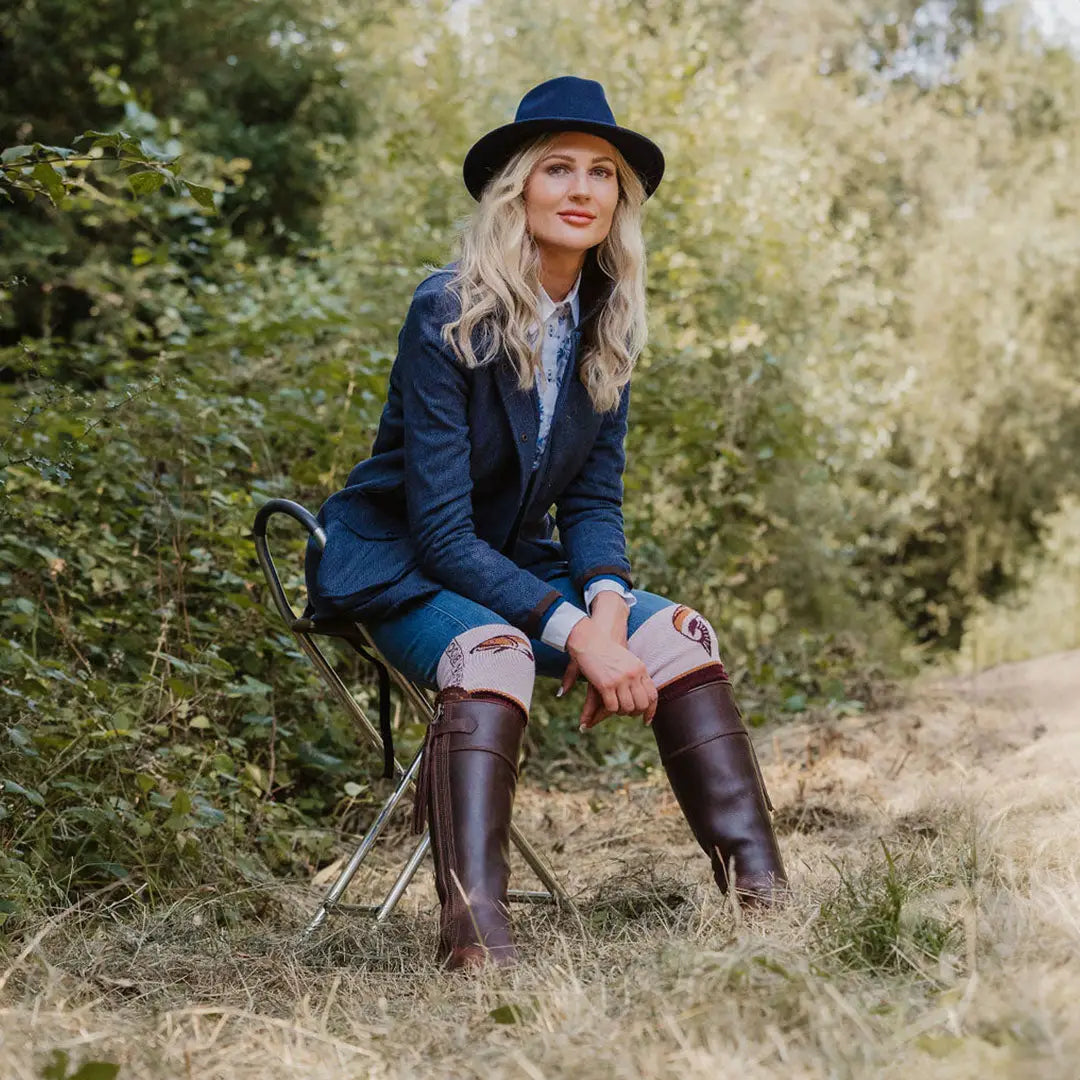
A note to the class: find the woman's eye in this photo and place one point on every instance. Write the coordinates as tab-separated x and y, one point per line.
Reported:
600	170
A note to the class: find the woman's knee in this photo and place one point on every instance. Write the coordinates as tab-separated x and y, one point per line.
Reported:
495	658
675	641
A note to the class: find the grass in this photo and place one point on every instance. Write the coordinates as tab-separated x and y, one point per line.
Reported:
933	848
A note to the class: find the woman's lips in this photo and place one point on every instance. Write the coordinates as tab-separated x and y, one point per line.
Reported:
577	219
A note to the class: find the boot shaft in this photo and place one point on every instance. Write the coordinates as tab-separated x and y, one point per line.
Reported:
714	774
469	776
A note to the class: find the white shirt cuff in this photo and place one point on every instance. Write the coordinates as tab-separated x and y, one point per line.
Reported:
563	619
608	585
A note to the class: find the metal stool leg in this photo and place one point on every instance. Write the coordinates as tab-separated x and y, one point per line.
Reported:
540	868
408	872
334	893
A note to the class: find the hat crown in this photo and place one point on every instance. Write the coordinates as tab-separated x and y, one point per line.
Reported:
566	98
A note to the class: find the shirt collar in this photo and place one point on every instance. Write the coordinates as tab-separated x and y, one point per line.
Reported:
547	305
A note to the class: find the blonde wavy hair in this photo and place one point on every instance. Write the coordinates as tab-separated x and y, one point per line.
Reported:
497	282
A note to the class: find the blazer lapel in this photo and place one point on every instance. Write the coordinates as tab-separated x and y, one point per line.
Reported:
523	411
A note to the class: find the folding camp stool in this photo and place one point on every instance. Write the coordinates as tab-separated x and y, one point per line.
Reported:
305	630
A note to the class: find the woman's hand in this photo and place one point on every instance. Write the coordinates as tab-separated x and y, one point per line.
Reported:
618	680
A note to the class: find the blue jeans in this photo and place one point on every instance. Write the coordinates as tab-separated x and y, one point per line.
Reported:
415	640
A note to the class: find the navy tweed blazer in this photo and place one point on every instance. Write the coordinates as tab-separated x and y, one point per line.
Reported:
448	499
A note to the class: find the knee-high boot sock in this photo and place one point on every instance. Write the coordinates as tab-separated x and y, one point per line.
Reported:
707	754
466	792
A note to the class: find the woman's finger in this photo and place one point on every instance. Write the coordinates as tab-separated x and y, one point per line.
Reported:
627	705
633	694
642	697
569	677
592	712
592	700
650	691
597	716
610	699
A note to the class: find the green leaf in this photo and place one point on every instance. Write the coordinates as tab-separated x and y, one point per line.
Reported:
202	195
96	1070
97	137
102	138
49	179
251	688
506	1014
146	182
57	1068
206	814
312	755
28	793
15	153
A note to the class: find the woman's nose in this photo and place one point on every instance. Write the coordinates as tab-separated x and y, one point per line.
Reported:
579	185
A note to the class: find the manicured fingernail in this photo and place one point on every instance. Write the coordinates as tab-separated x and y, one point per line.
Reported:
559	692
581	728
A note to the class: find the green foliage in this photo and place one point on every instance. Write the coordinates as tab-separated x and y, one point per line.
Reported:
857	410
259	82
51	170
150	713
57	1069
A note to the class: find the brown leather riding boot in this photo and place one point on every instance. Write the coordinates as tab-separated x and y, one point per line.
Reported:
714	773
466	792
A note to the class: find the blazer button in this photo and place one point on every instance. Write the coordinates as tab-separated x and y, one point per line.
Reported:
524	437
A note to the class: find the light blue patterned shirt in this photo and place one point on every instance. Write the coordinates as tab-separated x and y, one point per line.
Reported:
557	321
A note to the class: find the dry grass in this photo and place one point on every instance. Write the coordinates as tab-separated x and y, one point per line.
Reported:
934	848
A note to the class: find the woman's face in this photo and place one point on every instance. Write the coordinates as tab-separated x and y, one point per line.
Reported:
571	193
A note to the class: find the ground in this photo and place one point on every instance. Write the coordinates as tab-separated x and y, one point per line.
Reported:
933	847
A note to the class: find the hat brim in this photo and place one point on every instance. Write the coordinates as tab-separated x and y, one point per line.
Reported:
491	151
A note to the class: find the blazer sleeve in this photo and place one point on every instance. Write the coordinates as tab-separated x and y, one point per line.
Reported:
588	512
438	481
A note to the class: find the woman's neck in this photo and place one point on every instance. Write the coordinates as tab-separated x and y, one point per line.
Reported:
559	270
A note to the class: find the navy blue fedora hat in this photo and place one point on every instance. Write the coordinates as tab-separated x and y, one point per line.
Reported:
566	103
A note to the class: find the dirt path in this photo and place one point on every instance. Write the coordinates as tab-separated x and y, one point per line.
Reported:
1003	740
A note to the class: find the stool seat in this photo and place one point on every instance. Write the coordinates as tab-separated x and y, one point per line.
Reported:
342	628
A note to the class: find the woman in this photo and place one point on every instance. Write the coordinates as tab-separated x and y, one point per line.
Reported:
508	397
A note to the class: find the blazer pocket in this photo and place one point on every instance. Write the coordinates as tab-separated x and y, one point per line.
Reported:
358	567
